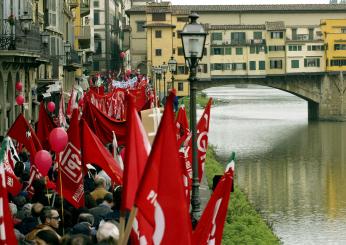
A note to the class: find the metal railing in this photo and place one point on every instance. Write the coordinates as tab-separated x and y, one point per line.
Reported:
74	58
84	7
13	38
73	3
83	32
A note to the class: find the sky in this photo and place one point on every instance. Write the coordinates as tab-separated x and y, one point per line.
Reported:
231	2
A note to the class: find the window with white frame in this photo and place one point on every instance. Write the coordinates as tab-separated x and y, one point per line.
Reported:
275	64
52	12
312	62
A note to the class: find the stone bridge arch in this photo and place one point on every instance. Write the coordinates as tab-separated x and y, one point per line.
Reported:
325	93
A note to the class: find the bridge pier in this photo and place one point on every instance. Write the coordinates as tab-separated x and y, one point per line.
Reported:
332	106
313	111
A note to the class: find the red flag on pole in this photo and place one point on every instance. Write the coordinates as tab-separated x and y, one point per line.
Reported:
93	151
44	126
137	152
71	166
24	134
103	125
62	118
202	140
182	126
210	227
72	104
7	236
161	197
12	182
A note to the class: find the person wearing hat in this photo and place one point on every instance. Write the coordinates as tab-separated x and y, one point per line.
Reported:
102	209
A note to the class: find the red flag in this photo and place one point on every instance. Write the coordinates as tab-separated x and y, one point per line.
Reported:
71	103
71	166
62	118
94	152
202	141
160	196
103	125
44	126
210	227
24	134
137	152
7	236
182	126
12	182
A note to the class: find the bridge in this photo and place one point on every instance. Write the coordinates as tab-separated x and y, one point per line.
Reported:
324	92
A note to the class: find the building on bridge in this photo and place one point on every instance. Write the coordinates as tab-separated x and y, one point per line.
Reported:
244	41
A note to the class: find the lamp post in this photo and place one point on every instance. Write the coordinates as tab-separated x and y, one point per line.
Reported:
164	68
67	49
45	38
172	66
193	39
25	22
158	72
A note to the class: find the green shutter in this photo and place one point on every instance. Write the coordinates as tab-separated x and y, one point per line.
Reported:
252	65
295	63
261	65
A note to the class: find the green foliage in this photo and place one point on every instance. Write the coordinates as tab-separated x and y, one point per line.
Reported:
201	101
243	224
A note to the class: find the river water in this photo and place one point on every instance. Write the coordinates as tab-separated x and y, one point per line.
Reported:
293	170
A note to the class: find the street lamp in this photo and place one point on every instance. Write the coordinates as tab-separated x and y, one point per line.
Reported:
193	38
67	49
158	72
45	38
172	66
25	22
164	68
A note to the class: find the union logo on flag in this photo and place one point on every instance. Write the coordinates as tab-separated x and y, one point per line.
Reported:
71	163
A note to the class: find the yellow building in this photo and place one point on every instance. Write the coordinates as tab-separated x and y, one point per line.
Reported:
244	41
334	33
83	31
163	42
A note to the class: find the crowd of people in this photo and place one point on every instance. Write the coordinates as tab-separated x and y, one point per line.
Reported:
46	218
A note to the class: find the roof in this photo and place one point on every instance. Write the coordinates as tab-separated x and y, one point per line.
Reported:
237	27
186	9
159	25
275	26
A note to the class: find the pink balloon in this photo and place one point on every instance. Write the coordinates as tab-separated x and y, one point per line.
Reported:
43	161
51	106
20	99
122	55
19	86
128	72
58	139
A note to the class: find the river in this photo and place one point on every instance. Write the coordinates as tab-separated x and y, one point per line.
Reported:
293	170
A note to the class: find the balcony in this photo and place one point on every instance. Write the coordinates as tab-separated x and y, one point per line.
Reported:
83	36
239	42
73	61
84	8
73	4
257	41
26	47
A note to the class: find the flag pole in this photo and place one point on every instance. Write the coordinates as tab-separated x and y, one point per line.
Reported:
122	227
129	224
61	194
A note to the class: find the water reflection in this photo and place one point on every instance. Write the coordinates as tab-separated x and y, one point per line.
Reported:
294	171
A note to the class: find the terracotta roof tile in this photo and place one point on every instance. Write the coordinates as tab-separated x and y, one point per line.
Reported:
186	9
